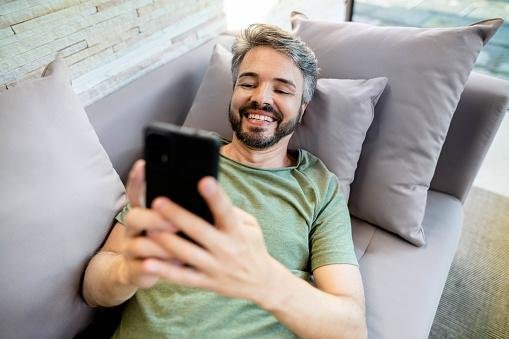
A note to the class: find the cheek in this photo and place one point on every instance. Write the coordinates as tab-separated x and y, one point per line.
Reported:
237	100
291	109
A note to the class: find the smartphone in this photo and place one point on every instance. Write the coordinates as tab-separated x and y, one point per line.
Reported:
176	158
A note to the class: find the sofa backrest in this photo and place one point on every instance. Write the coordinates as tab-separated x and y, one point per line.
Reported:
167	93
477	118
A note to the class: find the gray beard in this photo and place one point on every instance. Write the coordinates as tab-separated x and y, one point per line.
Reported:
254	139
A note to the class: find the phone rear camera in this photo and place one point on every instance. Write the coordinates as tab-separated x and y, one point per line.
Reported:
159	151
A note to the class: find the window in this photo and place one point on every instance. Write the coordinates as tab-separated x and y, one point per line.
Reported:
493	59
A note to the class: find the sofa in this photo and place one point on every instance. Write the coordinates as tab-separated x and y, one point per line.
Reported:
403	281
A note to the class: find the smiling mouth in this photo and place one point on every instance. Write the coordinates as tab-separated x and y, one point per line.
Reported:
260	117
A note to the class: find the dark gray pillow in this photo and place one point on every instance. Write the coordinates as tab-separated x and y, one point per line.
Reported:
59	195
333	127
427	69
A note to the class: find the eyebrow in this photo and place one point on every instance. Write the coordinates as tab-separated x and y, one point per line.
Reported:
283	80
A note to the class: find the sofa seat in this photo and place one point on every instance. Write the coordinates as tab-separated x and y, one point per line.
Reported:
393	270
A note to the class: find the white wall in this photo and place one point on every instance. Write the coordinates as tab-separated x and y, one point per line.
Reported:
277	12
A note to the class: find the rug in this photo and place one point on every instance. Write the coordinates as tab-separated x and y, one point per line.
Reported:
475	301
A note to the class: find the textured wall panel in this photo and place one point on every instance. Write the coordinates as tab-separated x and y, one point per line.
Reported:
106	43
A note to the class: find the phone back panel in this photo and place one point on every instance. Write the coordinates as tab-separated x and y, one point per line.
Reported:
176	159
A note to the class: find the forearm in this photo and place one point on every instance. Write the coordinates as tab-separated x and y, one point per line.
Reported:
312	313
103	283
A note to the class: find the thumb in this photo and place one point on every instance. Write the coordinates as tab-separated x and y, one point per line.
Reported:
136	184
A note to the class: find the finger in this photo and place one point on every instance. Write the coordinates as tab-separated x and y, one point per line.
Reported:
143	247
179	274
135	184
192	225
220	205
141	274
186	252
139	220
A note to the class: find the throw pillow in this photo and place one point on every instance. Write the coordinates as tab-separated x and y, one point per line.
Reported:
427	69
333	126
59	197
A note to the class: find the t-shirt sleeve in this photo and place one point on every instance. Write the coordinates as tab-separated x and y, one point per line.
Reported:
331	235
120	217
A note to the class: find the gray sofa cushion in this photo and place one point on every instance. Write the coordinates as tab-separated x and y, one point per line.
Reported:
59	197
210	106
333	127
336	123
427	69
403	283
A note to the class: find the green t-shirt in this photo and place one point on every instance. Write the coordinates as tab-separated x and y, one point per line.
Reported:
305	224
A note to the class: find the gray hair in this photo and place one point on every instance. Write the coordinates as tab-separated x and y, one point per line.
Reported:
272	36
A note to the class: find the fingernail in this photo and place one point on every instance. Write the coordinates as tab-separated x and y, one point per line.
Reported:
209	186
133	170
151	266
159	203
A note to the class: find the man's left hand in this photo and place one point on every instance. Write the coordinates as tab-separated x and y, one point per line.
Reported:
231	258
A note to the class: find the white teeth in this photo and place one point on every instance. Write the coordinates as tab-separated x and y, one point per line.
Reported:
260	117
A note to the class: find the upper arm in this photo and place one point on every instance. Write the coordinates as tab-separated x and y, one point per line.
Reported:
341	280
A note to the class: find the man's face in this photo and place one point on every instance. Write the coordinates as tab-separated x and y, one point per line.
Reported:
266	104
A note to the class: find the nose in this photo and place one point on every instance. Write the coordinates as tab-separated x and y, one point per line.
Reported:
262	94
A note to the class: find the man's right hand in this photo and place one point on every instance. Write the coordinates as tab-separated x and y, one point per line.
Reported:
139	251
125	262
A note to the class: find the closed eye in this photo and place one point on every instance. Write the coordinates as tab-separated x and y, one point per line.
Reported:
280	91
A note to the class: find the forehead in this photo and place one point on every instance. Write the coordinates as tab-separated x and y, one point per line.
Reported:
269	63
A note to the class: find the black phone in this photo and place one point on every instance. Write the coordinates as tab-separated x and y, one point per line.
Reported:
176	158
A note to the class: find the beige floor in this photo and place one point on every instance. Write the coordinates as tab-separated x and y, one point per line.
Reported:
475	301
494	173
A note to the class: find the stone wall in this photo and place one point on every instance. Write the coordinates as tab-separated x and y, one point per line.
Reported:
105	43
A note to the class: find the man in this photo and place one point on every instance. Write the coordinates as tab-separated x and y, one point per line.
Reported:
279	216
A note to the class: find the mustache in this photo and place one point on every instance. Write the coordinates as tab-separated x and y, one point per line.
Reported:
265	107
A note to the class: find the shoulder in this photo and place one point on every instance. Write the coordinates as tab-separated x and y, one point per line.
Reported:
312	166
325	182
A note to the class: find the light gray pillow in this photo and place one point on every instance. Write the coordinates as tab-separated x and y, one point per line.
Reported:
59	195
333	127
427	69
210	105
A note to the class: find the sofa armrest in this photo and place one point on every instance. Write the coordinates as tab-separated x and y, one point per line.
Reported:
477	118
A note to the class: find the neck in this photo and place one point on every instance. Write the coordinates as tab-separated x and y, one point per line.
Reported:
273	157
